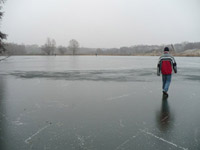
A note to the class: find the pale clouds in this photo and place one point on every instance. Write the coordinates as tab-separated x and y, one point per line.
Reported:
102	23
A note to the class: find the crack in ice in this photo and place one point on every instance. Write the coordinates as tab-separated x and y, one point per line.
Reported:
125	142
118	97
161	139
36	133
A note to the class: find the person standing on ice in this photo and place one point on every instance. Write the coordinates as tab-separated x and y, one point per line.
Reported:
165	65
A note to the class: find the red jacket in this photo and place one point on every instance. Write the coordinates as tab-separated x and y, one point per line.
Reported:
165	64
166	67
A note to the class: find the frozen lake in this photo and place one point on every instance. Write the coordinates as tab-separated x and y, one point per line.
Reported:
97	103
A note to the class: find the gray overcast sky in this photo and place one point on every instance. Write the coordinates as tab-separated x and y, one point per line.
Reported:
102	23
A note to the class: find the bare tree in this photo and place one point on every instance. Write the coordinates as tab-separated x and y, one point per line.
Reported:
62	50
73	46
49	47
98	51
2	35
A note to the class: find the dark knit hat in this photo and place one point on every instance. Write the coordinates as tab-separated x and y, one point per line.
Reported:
166	49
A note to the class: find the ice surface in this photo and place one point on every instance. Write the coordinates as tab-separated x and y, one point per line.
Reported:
97	103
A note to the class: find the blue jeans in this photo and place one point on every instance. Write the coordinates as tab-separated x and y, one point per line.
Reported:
166	79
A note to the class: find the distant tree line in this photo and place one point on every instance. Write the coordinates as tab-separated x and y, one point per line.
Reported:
2	35
15	49
50	48
187	46
145	49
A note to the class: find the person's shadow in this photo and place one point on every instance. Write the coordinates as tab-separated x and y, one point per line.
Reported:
164	118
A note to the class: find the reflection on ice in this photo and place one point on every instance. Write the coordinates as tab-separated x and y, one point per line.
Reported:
164	116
